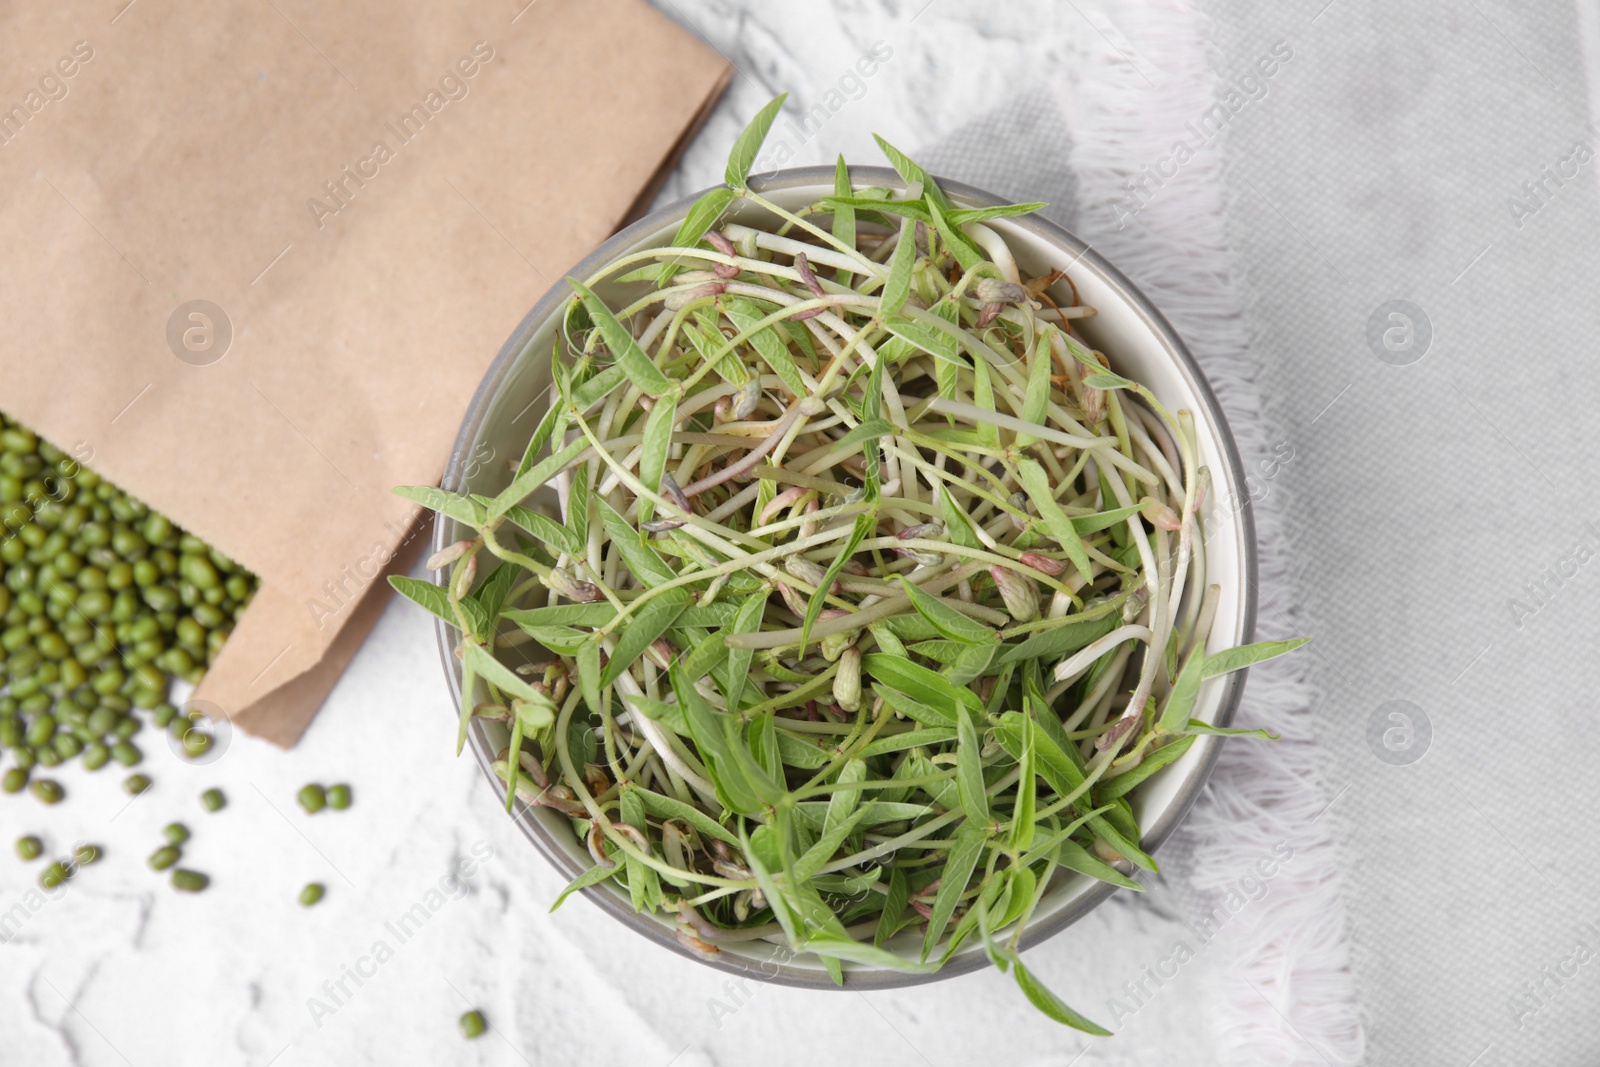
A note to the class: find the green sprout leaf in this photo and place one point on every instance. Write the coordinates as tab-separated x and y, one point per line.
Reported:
1037	485
958	870
654	448
630	357
1041	997
898	287
1152	762
437	600
593	876
913	174
947	620
1198	726
463	509
1021	833
969	772
703	215
1232	659
748	144
1184	693
962	216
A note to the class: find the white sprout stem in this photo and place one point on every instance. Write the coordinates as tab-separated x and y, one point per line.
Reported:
1161	434
1197	585
892	605
996	247
1101	446
1102	690
1070	668
1158	460
657	324
661	741
807	225
973	413
1191	500
1155	608
790	247
1205	615
1081	311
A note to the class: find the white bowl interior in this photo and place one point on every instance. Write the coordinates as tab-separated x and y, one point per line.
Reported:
1139	345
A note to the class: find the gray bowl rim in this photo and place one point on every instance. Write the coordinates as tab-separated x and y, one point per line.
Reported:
856	978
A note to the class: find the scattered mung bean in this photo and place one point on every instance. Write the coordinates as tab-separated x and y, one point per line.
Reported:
312	797
189	881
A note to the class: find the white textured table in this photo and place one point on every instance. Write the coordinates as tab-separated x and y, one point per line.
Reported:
119	970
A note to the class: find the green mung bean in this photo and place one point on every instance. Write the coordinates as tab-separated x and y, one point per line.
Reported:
103	720
312	798
189	881
99	597
41	730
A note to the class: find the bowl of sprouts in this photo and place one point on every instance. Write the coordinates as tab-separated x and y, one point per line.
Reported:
861	582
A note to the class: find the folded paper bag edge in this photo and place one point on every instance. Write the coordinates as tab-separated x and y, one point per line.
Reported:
282	712
641	204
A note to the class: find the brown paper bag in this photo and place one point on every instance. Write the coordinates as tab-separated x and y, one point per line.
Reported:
255	257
